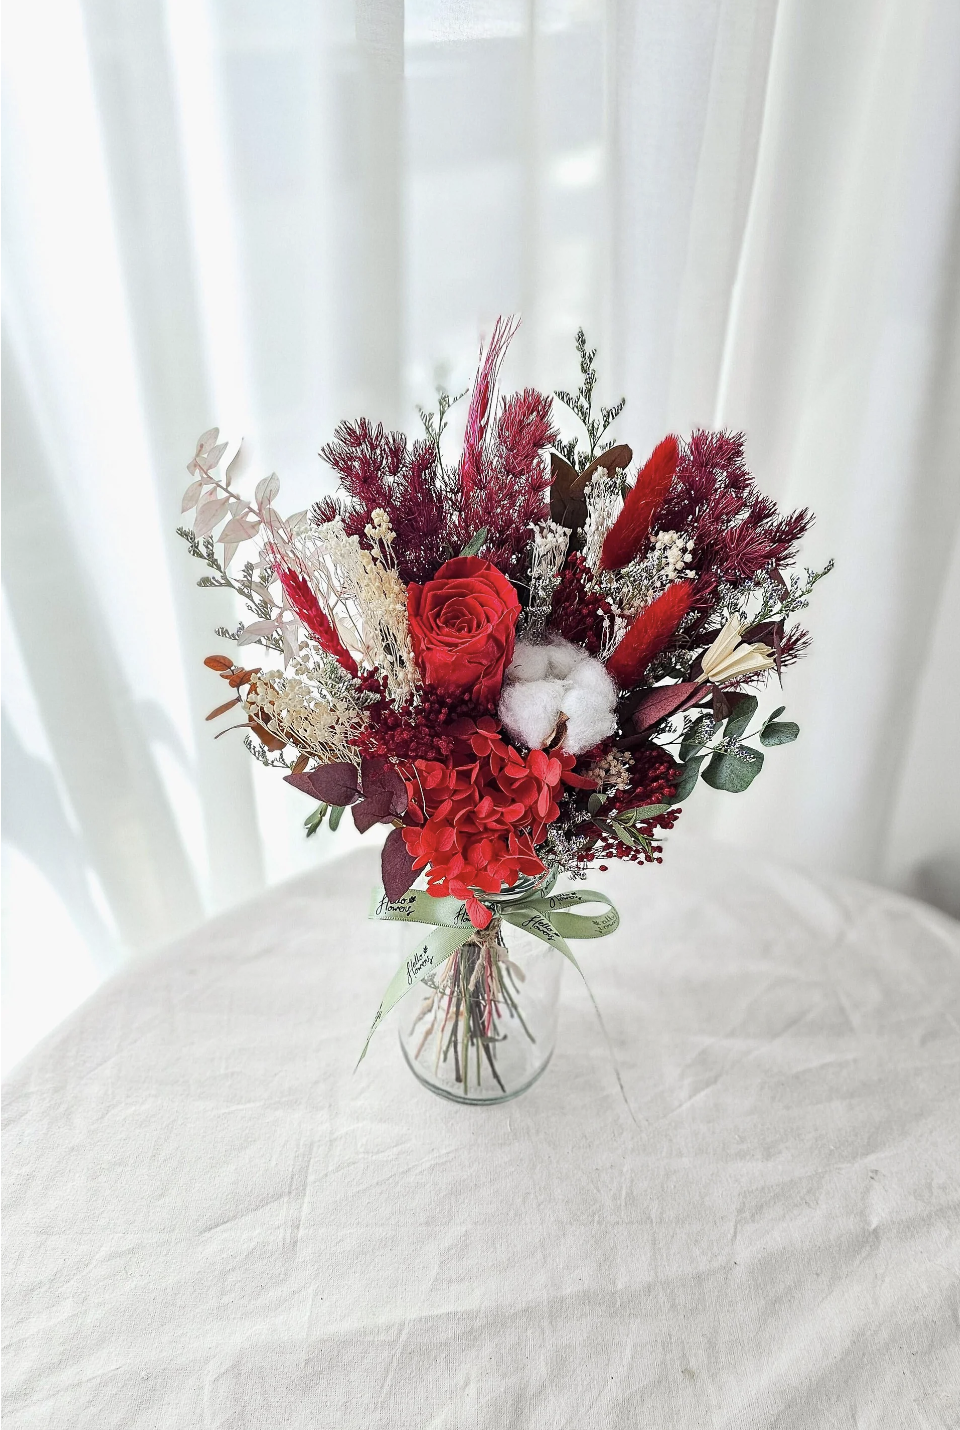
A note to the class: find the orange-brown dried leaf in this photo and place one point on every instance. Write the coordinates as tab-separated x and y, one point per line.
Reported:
219	662
300	764
614	459
268	740
222	709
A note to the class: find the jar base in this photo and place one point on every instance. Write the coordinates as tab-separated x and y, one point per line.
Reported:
450	1094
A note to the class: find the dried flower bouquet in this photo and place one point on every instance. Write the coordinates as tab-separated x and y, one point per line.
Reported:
522	662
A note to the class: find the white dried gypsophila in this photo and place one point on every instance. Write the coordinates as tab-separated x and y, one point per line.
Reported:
294	708
672	554
667	559
604	498
380	530
367	586
612	770
547	555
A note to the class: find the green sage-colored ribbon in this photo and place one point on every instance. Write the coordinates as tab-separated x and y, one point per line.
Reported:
542	915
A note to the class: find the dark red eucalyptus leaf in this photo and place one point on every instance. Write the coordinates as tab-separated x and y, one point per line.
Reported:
768	633
721	705
396	866
302	782
334	784
666	700
378	775
373	809
371	768
568	506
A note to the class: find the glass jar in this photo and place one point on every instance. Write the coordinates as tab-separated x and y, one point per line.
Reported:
486	1026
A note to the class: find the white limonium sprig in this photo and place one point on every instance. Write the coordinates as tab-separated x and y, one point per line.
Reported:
548	552
604	498
728	659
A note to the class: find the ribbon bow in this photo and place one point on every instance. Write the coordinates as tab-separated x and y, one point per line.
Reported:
542	915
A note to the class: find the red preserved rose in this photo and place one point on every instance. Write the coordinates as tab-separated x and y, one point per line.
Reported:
463	624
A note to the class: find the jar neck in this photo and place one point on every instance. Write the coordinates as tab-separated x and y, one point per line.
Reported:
527	884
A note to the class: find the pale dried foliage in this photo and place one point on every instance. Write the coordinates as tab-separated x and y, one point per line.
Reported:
301	709
366	596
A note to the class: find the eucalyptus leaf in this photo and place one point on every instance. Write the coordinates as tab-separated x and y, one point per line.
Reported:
313	821
744	709
695	738
646	811
779	732
735	771
476	541
774	716
336	814
688	780
594	803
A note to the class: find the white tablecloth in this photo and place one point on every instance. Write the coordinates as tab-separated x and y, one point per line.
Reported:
212	1221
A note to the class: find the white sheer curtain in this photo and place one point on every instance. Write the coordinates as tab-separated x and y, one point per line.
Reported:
266	216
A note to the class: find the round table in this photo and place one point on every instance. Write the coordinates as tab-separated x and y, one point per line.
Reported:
212	1220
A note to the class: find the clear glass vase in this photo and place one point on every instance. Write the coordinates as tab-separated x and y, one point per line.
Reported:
486	1026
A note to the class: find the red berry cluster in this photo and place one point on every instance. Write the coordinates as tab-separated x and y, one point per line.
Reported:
653	780
579	615
425	731
654	776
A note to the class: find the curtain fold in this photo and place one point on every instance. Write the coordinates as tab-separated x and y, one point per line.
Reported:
268	217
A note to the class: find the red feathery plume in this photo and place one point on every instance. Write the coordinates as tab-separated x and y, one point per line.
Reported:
481	402
645	498
309	612
649	634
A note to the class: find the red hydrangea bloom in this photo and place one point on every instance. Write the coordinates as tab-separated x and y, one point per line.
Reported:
477	819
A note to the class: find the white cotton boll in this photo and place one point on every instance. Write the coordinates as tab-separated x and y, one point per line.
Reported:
588	720
529	710
549	679
530	662
564	657
591	676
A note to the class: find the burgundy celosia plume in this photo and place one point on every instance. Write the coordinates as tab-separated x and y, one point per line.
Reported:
481	403
513	492
382	469
309	612
629	532
649	634
500	483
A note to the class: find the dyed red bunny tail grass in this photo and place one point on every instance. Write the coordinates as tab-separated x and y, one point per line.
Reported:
632	527
649	634
309	613
481	401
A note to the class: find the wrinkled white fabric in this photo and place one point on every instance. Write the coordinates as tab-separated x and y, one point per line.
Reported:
212	1221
